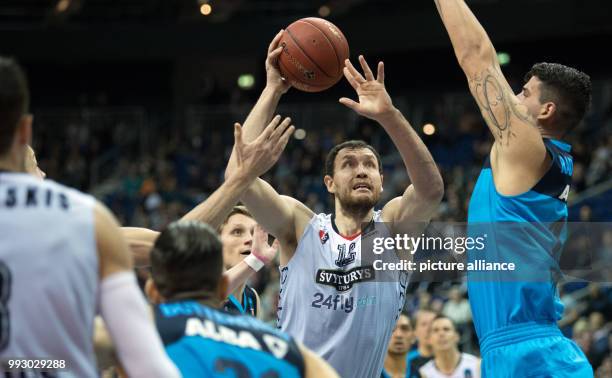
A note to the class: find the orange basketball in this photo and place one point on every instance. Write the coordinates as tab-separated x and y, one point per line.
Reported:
313	54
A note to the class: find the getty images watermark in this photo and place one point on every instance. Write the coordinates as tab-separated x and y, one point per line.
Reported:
503	252
405	244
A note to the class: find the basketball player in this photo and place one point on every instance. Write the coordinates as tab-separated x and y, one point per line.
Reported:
236	234
448	362
187	287
524	183
397	362
257	156
325	301
59	250
422	323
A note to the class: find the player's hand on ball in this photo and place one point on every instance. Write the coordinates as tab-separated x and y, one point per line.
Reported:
261	249
273	75
255	158
374	101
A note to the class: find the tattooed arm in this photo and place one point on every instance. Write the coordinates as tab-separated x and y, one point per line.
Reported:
518	154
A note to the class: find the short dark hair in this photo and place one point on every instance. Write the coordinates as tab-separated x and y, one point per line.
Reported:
407	315
238	209
351	145
187	258
442	316
567	87
14	100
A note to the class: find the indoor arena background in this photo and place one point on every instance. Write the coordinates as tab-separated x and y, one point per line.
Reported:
134	101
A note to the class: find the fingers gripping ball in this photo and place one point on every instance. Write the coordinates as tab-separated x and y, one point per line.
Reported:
314	51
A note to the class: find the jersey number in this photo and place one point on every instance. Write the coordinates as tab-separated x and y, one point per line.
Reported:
5	294
223	365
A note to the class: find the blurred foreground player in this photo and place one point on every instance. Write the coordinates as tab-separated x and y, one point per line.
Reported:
330	300
397	362
520	201
187	287
448	361
59	250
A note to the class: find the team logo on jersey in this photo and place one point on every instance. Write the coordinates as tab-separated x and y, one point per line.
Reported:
324	236
345	258
344	280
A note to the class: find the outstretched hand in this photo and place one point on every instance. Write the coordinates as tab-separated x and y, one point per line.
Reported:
261	249
255	158
274	79
374	101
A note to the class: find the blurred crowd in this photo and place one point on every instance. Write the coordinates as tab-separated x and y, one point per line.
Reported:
154	184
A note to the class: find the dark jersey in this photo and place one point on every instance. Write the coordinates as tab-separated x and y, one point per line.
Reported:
248	305
205	342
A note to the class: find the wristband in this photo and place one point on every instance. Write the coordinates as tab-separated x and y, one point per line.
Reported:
254	262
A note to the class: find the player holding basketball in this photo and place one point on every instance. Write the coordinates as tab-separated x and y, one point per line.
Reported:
327	301
60	251
524	183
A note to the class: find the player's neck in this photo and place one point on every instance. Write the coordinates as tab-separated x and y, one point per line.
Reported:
395	364
447	362
348	223
238	293
550	134
424	351
11	164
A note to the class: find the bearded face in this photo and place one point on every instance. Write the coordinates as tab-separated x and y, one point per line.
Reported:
357	182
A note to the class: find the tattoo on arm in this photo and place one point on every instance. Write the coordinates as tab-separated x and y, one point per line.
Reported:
497	104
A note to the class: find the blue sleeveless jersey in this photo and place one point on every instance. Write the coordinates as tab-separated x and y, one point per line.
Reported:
527	230
205	342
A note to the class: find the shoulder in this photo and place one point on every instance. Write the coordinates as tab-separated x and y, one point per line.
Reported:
469	358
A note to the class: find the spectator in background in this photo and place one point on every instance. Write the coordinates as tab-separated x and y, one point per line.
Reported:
447	360
422	322
399	355
457	308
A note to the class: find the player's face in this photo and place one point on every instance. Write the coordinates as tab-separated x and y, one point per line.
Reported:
402	337
237	238
423	322
530	96
443	335
357	180
31	164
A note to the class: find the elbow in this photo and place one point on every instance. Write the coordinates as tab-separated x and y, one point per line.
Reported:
435	192
474	55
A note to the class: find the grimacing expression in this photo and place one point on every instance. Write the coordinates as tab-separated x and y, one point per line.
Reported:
357	180
402	337
530	96
237	239
443	335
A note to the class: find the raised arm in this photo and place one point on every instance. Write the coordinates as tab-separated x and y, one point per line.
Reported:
517	139
282	216
421	199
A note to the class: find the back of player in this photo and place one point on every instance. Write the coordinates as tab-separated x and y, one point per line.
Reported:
48	272
205	342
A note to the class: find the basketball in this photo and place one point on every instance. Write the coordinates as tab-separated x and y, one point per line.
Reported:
313	54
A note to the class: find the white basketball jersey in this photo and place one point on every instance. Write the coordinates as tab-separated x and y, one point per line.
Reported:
469	367
336	306
48	273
